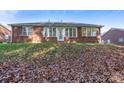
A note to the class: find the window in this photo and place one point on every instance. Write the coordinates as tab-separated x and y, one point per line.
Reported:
120	39
94	32
74	32
70	32
45	33
27	31
6	36
66	32
52	32
89	31
84	33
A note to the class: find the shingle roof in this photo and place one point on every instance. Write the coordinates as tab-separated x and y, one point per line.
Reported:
63	24
116	31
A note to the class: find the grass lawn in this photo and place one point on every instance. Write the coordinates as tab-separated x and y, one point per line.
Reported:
25	51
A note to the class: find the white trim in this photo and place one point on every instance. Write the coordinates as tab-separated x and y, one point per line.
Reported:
43	33
48	33
72	32
76	31
91	29
27	31
87	31
63	33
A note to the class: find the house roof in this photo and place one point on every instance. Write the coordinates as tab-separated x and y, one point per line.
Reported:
114	31
56	24
117	29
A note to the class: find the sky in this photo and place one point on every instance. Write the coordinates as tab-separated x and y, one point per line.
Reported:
108	18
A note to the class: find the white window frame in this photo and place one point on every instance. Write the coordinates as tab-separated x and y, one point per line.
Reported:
46	31
87	31
91	29
27	31
6	36
68	31
82	32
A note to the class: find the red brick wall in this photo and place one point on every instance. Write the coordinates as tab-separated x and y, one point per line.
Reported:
113	36
37	34
16	31
36	37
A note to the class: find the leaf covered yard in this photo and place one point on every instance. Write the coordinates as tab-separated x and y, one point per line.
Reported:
62	63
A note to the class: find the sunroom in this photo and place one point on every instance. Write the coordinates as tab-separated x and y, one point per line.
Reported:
60	32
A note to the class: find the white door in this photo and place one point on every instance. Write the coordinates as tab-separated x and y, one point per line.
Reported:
60	35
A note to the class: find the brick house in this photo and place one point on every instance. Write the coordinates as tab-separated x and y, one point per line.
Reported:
56	32
5	34
114	36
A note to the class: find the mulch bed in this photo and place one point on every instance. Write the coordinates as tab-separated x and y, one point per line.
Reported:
84	64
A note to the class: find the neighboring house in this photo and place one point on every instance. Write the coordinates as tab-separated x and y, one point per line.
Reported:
56	32
5	34
114	36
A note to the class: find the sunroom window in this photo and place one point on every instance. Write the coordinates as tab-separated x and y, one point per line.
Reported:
89	31
26	31
66	32
74	32
94	31
70	32
84	32
52	32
